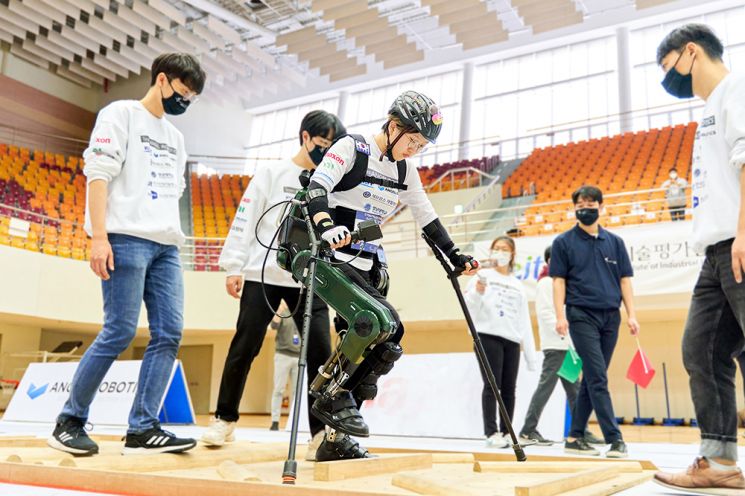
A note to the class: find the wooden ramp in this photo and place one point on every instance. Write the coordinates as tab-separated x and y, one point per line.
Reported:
246	468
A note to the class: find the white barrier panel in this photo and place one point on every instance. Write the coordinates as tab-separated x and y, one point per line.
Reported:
439	395
661	253
45	387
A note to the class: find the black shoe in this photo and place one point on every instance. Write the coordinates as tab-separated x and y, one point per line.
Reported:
70	436
343	448
340	413
580	447
156	440
591	438
274	427
617	450
534	438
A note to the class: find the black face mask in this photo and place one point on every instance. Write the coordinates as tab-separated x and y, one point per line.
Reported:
316	154
677	84
587	216
175	104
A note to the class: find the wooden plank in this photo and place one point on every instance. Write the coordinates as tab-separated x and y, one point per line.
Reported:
620	483
229	470
552	467
22	442
453	458
55	458
363	467
156	485
242	453
424	485
567	482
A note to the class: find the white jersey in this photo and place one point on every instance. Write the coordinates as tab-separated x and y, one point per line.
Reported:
370	201
242	253
143	159
718	157
502	310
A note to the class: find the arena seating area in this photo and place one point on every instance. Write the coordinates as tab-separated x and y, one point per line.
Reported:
50	188
630	162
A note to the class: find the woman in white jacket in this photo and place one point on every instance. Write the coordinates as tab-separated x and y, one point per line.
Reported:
499	308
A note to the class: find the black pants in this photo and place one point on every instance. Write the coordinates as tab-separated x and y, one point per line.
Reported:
713	337
253	318
362	279
594	334
677	213
503	356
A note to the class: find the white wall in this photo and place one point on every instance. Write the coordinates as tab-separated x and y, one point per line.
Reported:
46	81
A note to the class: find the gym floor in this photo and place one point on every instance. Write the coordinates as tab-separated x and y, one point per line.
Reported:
670	448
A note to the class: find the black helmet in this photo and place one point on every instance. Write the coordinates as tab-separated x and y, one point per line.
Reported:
419	112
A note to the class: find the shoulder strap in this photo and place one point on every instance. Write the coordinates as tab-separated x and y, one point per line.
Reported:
358	174
359	168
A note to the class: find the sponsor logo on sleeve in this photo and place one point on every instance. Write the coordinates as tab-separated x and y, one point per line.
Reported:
336	158
103	140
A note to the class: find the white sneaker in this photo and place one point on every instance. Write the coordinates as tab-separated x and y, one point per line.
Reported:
496	440
219	432
313	445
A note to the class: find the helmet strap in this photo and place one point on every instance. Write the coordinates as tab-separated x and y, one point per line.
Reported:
389	147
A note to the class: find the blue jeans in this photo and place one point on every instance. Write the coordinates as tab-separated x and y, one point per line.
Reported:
594	334
144	270
713	337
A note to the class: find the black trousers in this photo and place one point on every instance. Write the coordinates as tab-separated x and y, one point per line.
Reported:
253	319
503	356
362	279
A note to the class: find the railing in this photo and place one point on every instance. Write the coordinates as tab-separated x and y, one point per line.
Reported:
459	183
36	140
29	237
402	237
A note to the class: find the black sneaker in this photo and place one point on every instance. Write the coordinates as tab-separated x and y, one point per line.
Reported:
591	438
156	440
274	426
534	438
617	450
340	413
580	447
69	436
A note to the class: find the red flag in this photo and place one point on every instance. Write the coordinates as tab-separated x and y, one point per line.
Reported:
640	370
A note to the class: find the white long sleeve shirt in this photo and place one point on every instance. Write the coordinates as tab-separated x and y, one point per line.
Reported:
718	157
372	202
143	159
546	316
502	311
242	253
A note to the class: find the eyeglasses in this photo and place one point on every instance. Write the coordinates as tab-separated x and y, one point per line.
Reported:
321	142
415	146
187	96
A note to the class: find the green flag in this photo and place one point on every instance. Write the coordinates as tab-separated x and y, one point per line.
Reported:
571	367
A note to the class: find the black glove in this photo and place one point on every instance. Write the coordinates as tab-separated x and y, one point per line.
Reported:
459	260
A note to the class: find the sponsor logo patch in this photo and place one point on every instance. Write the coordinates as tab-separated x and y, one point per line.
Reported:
362	147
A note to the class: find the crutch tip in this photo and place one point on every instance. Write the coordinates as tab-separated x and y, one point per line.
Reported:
519	453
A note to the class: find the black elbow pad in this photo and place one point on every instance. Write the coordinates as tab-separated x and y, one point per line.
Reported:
437	233
318	200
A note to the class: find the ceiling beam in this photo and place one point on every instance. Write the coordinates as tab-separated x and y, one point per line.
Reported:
168	10
227	16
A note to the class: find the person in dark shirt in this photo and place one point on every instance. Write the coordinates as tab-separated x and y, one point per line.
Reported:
592	275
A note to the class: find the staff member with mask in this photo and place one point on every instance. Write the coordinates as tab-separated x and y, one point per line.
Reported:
691	56
499	307
675	192
592	275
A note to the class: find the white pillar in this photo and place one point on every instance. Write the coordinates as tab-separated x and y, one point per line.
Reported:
341	109
624	79
466	101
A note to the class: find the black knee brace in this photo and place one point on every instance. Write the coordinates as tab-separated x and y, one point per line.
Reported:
382	358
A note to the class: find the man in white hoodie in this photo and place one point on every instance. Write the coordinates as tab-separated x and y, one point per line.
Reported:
243	258
135	167
691	57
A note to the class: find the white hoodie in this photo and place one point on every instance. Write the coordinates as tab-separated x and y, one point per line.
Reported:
242	253
502	311
546	316
143	159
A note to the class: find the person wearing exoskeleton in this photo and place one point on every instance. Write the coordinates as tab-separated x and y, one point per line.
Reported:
362	179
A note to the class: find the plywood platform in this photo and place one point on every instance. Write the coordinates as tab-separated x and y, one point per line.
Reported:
245	468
